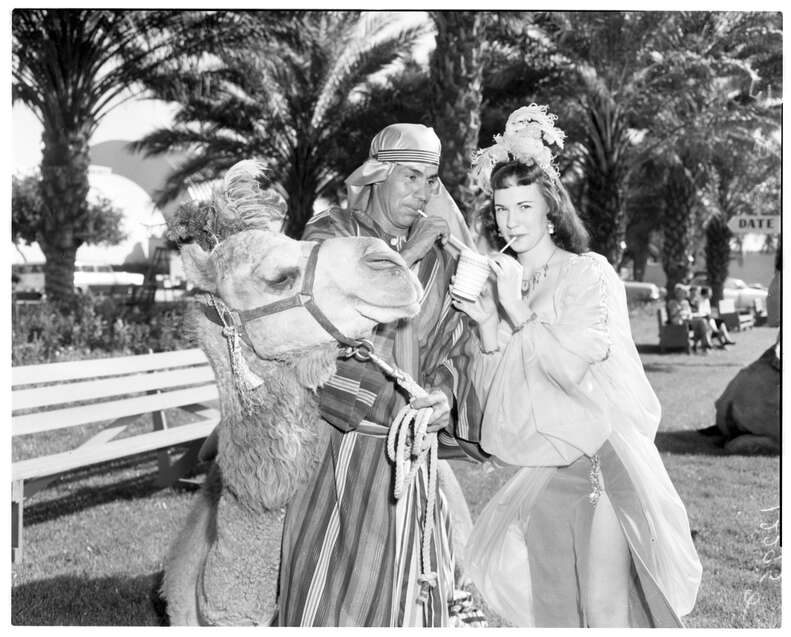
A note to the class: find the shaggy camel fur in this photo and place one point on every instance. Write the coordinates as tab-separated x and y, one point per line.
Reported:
748	412
211	572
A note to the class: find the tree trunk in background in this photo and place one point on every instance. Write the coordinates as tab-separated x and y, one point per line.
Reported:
300	186
718	255
605	147
64	191
456	71
677	226
644	205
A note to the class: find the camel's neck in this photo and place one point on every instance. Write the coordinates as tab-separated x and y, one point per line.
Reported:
266	452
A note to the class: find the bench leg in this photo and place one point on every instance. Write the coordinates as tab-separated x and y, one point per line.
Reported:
17	509
170	472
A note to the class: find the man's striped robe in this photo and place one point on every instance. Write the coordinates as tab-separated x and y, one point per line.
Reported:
351	552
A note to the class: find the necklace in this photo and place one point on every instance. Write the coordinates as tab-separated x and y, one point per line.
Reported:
530	283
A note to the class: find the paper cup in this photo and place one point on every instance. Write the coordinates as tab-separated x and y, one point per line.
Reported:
471	274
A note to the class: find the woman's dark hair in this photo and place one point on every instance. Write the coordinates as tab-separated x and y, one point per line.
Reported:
569	234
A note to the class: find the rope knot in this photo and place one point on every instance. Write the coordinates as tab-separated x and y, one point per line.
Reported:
427	581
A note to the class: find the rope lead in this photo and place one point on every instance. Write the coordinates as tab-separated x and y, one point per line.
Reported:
409	446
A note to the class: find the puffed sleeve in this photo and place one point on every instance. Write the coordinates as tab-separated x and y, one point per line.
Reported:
542	407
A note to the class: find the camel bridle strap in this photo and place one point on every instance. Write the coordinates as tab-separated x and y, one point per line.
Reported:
409	446
224	316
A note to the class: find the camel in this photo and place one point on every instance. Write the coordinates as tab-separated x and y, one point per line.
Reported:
748	411
267	371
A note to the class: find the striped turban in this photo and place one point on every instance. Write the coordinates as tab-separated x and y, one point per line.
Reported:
405	143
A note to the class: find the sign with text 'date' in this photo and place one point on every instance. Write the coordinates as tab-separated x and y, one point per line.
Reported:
758	224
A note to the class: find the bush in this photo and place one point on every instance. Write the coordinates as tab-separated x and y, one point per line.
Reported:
93	328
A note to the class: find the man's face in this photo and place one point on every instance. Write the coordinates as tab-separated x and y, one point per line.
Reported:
406	190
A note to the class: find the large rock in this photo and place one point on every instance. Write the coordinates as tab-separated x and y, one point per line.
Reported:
748	412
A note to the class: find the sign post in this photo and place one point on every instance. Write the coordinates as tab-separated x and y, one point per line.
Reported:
755	224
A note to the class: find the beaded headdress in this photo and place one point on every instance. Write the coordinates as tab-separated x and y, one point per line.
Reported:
529	133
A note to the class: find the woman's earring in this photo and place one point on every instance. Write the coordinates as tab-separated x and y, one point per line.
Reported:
550	227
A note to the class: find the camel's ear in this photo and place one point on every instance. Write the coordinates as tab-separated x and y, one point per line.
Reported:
198	268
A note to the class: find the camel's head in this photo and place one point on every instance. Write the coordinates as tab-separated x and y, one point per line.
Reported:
357	282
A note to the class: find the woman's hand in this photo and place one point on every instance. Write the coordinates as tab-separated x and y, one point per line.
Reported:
509	281
483	309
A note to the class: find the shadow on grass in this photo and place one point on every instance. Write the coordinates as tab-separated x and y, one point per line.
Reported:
647	348
689	442
71	600
89	496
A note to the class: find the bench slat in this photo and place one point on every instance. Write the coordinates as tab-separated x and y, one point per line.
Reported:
93	454
105	388
76	370
84	414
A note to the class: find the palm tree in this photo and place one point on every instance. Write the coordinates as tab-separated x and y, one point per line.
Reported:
456	71
747	181
606	55
703	76
71	67
289	96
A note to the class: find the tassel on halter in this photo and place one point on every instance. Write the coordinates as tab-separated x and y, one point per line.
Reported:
245	380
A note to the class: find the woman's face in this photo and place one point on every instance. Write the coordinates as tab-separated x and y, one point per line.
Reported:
521	212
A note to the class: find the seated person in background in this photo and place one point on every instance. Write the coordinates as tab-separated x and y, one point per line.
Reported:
701	306
679	310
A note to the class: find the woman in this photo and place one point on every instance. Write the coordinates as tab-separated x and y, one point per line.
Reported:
590	532
679	310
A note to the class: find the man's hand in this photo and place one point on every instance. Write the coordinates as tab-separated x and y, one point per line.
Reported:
425	232
440	417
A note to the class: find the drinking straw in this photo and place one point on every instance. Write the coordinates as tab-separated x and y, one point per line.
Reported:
460	246
507	245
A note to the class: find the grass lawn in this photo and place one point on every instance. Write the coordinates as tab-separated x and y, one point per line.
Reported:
94	541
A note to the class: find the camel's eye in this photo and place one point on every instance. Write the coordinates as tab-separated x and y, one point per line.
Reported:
282	279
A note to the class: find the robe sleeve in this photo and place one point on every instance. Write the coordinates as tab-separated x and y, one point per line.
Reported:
542	407
448	351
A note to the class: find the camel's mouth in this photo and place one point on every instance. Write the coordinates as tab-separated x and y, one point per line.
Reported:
388	313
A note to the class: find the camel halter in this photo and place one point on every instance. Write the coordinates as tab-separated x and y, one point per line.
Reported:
222	315
409	450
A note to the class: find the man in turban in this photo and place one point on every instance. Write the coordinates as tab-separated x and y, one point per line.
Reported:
351	552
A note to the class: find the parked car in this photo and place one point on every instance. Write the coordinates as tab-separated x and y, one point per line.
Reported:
641	292
27	280
87	277
746	298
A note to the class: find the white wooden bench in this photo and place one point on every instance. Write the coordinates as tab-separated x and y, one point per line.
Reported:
734	319
118	390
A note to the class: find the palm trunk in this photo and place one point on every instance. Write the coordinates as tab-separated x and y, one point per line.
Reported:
300	185
676	226
456	70
64	192
605	145
718	255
